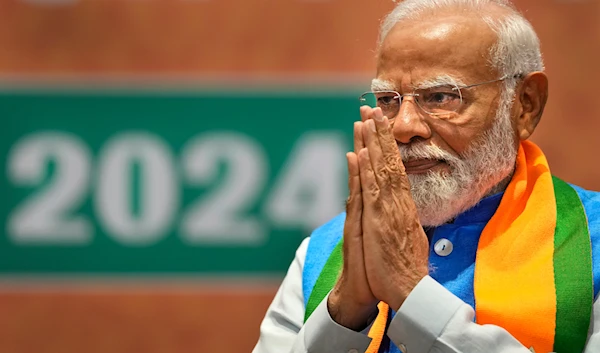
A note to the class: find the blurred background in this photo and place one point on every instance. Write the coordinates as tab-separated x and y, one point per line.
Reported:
162	159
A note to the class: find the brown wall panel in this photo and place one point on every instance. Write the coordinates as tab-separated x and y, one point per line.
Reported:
174	36
97	320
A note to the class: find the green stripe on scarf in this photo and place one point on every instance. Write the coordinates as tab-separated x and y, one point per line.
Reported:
572	271
326	281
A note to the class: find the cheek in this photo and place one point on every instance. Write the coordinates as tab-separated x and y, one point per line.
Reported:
456	139
460	132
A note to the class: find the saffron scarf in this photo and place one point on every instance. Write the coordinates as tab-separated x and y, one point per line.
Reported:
533	270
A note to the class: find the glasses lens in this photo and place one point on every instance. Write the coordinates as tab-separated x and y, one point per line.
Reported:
388	101
439	100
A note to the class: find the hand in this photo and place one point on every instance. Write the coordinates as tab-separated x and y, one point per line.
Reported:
351	302
395	246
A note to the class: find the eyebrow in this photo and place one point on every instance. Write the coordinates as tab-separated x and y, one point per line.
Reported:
381	85
442	80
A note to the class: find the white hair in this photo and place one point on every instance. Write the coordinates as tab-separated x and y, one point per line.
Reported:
517	50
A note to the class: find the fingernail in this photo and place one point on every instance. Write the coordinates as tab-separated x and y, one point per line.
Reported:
372	125
378	114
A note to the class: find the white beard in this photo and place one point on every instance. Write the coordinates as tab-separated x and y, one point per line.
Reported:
439	196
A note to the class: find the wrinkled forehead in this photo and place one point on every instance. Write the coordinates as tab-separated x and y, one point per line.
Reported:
417	51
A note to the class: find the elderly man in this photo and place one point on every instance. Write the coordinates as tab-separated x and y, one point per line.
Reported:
456	236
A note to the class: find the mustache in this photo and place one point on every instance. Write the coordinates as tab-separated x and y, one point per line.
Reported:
420	150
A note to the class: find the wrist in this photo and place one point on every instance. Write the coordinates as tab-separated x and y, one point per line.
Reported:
349	314
402	292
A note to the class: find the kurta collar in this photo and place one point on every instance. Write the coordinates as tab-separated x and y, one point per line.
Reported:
480	213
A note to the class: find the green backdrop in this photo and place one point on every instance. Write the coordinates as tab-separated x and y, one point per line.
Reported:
114	182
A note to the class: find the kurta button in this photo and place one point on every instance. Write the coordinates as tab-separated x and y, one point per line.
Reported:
443	247
402	348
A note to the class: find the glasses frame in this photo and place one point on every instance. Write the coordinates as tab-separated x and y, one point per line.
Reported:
456	88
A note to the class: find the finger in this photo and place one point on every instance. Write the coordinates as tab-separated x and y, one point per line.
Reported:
354	202
365	110
359	143
390	153
378	163
369	188
353	225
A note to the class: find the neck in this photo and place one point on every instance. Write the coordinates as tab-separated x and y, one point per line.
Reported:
498	188
501	186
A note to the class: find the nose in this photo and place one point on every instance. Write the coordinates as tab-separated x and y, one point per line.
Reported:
410	123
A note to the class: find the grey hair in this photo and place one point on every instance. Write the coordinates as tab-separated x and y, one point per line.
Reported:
517	50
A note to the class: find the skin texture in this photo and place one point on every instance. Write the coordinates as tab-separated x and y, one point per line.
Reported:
385	247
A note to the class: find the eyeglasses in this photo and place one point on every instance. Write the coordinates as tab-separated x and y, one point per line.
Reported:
436	101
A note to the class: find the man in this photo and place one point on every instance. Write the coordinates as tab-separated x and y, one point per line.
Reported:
456	236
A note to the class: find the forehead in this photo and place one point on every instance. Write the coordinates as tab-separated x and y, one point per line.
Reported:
455	45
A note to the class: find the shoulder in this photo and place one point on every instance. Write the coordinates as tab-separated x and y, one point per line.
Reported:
591	204
324	239
321	244
329	233
589	195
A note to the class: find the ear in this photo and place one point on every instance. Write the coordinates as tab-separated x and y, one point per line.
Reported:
532	95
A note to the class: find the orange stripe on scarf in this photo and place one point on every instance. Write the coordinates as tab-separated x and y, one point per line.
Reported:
378	328
514	279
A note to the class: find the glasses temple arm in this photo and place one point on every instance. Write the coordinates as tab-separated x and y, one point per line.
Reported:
492	81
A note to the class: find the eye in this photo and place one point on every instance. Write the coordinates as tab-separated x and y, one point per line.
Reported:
439	100
387	99
440	97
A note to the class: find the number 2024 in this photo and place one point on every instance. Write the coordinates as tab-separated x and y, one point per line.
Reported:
48	216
